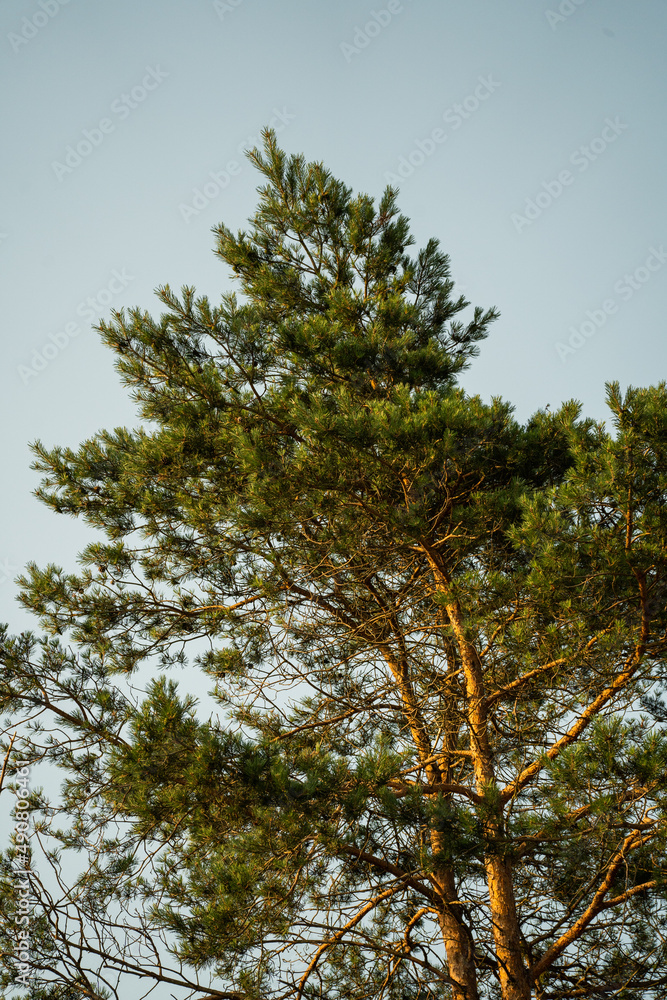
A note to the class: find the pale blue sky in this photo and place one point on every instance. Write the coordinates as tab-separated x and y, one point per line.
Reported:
534	81
527	135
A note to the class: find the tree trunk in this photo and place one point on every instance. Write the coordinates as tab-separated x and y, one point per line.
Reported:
514	980
457	939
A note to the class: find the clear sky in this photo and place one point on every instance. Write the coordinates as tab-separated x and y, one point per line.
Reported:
528	136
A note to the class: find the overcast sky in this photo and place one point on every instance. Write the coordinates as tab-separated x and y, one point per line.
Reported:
527	135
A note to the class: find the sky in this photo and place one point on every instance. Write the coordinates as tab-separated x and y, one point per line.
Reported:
527	136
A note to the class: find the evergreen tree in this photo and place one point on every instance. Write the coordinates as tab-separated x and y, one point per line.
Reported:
437	638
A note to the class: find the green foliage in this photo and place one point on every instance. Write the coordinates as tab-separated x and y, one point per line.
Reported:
317	518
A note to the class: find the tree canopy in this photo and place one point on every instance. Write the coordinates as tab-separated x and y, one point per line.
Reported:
436	638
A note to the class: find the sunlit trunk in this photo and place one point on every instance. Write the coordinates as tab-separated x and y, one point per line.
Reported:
514	980
512	971
456	937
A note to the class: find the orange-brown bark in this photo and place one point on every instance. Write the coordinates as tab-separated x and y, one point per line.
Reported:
456	935
512	970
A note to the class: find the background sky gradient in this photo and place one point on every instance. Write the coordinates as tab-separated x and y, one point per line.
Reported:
528	136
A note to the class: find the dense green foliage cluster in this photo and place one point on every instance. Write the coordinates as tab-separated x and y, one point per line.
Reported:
437	638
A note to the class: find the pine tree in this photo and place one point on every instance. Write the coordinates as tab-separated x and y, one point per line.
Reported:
437	638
